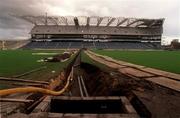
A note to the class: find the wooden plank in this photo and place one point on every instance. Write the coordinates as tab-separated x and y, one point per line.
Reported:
163	73
14	100
135	72
166	82
22	80
166	79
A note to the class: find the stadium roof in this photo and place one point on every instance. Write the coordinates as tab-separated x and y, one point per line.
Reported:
93	21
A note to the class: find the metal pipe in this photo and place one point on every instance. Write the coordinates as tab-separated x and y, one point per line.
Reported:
80	87
85	90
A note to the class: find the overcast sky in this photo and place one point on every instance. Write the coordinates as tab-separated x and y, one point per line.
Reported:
11	27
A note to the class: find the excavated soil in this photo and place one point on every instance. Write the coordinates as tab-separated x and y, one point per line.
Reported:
59	57
149	99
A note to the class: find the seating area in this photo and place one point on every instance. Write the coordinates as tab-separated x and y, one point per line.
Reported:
91	45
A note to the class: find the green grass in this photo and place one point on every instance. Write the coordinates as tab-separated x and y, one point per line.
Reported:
15	62
163	60
86	59
46	74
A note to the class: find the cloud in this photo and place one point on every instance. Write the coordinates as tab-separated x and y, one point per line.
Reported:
13	27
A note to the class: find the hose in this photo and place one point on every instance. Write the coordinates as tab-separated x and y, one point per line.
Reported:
35	89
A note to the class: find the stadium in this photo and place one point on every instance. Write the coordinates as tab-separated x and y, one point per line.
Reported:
95	32
90	67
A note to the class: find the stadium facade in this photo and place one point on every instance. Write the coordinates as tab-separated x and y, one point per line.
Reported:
95	29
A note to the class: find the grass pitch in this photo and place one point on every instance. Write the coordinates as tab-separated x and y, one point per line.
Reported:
16	62
86	59
163	60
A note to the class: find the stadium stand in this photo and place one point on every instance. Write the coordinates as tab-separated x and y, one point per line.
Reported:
95	33
91	45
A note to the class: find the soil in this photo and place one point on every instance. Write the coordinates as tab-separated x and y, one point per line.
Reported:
59	57
149	99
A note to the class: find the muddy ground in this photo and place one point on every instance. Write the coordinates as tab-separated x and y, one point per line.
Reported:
149	99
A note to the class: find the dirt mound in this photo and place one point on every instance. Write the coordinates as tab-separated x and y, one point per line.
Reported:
59	57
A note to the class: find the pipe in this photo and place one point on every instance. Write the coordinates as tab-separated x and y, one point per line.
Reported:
35	89
83	84
80	87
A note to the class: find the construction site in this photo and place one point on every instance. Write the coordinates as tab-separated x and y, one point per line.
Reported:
90	67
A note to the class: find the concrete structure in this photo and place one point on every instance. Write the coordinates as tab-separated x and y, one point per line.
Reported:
88	107
49	27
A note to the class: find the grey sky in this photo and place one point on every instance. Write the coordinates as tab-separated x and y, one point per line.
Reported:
11	27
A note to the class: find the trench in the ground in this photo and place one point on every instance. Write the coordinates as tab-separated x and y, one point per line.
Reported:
109	83
100	82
